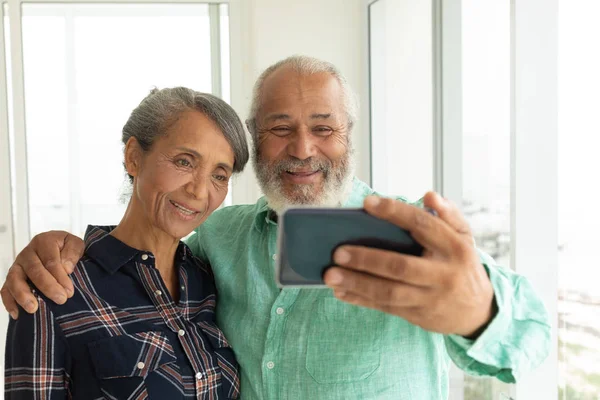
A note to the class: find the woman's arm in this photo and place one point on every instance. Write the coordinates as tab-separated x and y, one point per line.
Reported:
37	361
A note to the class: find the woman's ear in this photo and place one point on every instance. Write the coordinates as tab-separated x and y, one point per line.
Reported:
133	156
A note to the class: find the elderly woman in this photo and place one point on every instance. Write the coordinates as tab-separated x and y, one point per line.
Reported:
141	323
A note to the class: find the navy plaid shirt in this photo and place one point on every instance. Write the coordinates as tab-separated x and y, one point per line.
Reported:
122	336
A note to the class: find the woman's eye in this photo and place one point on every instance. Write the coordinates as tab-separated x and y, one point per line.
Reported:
221	178
182	162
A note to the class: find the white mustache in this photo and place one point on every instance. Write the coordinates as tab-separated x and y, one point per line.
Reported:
310	163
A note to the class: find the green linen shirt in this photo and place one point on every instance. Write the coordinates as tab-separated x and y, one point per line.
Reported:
306	344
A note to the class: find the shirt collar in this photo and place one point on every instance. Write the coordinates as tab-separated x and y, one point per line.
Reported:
264	215
112	254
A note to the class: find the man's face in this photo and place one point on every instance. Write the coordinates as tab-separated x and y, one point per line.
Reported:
303	155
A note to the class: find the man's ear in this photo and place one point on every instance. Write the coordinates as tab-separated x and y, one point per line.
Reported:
133	156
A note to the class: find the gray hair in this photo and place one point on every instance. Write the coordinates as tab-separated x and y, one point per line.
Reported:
307	66
161	108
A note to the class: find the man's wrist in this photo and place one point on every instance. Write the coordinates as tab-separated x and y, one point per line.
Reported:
493	311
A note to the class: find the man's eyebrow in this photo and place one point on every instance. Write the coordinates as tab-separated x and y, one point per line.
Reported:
275	117
320	116
193	152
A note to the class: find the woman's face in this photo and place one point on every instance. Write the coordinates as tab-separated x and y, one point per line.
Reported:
184	177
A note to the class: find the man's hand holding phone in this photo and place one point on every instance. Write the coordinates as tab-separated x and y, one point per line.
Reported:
446	290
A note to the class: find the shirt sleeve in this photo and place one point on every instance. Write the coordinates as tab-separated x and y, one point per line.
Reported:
517	339
37	363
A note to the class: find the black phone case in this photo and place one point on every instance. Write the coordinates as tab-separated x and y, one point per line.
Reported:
308	238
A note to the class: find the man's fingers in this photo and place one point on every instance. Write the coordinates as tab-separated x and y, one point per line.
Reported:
71	252
390	265
430	231
448	212
50	257
42	279
19	290
45	248
9	303
381	291
59	273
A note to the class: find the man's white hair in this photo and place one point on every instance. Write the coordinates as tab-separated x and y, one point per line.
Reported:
306	66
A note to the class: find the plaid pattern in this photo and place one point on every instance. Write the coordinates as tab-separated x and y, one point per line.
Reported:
122	336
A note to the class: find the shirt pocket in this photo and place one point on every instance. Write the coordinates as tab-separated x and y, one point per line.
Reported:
122	363
343	342
225	359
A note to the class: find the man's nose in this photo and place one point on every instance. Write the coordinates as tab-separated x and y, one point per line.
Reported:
302	145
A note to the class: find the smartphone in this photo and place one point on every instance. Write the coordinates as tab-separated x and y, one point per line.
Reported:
308	238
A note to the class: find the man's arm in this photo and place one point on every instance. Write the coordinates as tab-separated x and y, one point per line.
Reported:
47	261
518	337
450	289
37	362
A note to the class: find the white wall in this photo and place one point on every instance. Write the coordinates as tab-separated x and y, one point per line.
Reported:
332	30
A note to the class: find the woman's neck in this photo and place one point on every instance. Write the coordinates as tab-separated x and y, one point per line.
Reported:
136	231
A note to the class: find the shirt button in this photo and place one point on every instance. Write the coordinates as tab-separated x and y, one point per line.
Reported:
182	287
158	293
274	257
279	310
199	375
144	257
270	365
141	365
181	332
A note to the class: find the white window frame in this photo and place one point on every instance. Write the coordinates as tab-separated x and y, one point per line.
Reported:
534	186
19	227
6	218
534	211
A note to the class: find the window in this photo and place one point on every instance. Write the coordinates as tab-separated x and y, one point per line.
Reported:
401	73
578	167
85	68
97	79
486	142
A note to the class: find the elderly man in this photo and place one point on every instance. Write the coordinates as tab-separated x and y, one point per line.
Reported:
390	323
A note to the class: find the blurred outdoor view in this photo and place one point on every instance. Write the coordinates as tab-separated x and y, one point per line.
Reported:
578	168
486	175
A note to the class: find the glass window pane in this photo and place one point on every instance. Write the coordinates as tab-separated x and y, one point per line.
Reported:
578	166
225	56
486	142
401	84
6	237
225	73
102	60
11	132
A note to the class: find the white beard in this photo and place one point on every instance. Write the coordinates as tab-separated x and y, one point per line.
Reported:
336	189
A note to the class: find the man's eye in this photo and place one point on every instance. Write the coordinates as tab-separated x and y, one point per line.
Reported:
183	162
322	129
281	130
